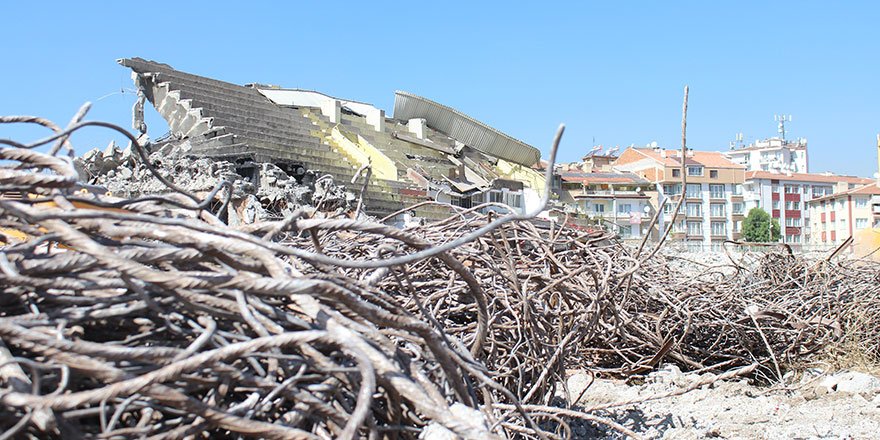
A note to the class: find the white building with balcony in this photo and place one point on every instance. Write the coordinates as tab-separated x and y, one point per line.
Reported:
618	202
774	154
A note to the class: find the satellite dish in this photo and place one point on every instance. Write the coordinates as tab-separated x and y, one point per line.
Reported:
654	144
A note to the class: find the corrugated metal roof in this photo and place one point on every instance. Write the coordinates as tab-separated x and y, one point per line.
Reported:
464	128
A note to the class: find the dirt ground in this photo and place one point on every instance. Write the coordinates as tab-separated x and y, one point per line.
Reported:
843	405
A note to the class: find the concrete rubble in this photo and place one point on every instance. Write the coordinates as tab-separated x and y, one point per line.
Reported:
264	192
812	405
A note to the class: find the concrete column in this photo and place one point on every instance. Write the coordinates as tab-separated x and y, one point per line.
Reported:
416	126
332	109
376	118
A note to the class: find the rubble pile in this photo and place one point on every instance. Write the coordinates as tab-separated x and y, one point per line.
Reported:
151	317
268	194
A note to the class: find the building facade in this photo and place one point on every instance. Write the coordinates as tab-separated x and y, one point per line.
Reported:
785	196
837	217
774	154
618	202
713	208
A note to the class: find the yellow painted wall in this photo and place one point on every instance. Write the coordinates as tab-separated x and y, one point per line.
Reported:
531	178
364	152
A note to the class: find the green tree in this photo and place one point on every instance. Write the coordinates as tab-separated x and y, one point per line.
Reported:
758	227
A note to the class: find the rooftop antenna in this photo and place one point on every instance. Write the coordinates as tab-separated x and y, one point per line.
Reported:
782	119
737	141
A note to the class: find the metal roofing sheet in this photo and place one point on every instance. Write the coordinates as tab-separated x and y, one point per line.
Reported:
464	128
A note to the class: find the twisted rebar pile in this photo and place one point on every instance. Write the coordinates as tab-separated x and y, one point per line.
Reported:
150	318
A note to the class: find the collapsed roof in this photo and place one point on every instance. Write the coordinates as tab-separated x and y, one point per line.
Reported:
411	160
464	128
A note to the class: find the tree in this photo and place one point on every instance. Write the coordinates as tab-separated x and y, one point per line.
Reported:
758	227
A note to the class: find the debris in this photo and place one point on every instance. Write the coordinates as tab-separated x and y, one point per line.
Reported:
146	315
278	194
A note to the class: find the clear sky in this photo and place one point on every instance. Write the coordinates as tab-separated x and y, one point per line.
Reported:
612	71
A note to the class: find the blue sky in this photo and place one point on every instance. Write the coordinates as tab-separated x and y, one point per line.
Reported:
613	71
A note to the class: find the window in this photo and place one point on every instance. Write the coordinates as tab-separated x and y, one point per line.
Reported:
694	191
695	246
694	170
669	207
514	200
496	197
794	222
676	172
792	206
737	190
716	209
672	189
792	238
792	189
599	208
861	202
624	208
737	208
716	191
713	174
775	188
737	226
820	191
861	223
719	228
776	204
695	228
694	210
678	227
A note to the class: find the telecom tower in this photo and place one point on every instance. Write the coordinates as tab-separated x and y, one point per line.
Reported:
782	119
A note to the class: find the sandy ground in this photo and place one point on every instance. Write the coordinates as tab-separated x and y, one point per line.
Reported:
844	405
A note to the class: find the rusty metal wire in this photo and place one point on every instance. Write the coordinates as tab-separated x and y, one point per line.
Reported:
149	318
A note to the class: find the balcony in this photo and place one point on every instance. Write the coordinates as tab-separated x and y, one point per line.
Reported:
791	230
774	196
610	193
775	213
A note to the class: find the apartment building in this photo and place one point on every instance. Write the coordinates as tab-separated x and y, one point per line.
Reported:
774	154
785	196
836	217
619	202
713	209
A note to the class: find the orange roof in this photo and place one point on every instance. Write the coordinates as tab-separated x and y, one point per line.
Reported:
603	178
711	159
807	177
872	189
869	189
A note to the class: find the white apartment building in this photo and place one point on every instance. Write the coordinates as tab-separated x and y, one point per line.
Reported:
774	154
837	217
713	209
785	196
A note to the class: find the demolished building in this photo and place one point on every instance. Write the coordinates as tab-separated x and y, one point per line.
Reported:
424	152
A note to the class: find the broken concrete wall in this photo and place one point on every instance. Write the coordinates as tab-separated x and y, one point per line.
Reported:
260	191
